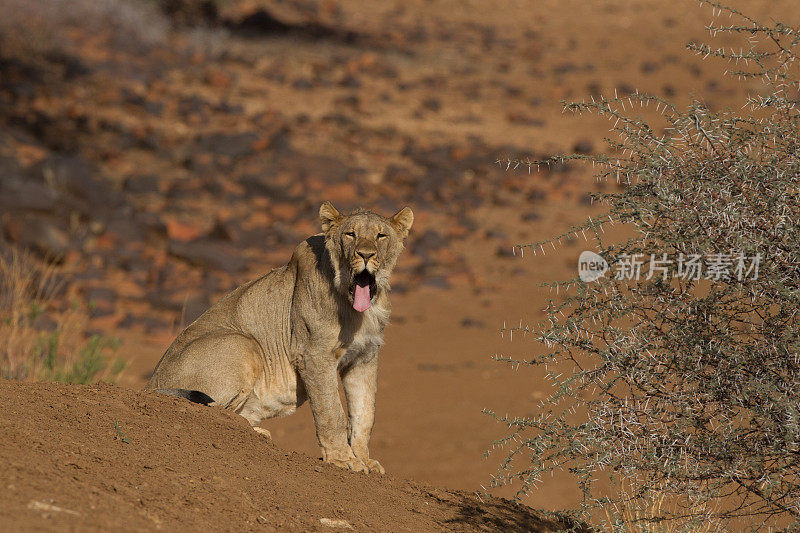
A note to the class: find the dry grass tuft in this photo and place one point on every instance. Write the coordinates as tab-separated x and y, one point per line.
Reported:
41	338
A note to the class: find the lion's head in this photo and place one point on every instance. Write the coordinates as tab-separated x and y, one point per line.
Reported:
364	248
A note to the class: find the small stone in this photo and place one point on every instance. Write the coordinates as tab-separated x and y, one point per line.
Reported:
649	67
335	522
432	104
521	118
583	147
50	508
505	250
470	322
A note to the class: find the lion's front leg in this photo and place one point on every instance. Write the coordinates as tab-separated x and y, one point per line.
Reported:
360	382
322	387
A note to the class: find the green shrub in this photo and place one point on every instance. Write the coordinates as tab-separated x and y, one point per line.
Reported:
678	390
90	363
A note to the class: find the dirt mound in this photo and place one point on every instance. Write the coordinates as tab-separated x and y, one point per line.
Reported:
105	457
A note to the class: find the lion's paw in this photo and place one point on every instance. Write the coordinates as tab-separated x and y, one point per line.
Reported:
374	467
263	431
355	464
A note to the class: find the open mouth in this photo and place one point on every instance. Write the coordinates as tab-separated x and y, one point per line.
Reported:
362	290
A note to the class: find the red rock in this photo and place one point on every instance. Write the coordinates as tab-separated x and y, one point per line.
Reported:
259	217
106	241
459	279
128	288
458	153
30	154
284	211
445	256
72	258
262	144
106	322
341	192
363	61
331	8
307	227
181	231
219	78
456	232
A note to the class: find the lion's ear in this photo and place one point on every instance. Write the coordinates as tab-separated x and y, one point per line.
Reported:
403	220
329	216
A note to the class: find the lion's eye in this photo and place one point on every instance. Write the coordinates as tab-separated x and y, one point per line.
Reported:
382	235
351	234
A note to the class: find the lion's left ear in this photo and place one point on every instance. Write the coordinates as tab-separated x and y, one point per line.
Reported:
403	221
329	217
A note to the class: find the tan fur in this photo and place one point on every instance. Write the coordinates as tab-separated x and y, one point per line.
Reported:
287	336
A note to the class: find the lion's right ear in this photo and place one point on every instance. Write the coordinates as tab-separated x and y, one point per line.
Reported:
329	216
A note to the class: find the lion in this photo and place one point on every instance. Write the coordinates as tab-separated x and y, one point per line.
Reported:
274	342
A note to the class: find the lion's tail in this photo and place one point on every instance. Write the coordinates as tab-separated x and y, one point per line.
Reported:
192	395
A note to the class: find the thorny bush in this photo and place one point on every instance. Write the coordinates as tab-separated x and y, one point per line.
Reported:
685	387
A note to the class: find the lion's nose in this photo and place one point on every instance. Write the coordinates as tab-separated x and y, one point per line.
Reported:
366	255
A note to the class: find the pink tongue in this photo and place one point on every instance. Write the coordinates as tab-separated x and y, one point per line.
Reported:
361	299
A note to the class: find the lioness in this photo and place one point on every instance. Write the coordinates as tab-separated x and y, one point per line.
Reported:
273	342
